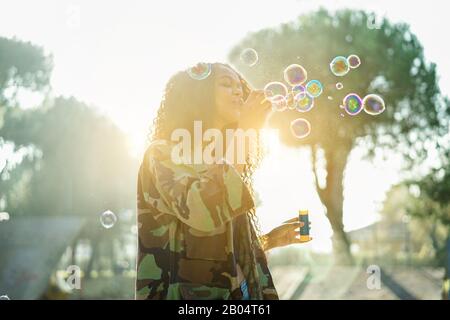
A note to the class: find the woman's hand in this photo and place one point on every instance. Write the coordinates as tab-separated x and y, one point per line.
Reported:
286	234
254	111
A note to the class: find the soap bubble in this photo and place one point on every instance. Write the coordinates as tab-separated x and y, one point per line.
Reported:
300	128
299	92
279	103
200	71
108	219
339	66
273	89
249	57
352	104
353	61
339	86
373	104
314	88
295	74
305	104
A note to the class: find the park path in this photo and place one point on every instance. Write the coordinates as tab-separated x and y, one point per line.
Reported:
337	282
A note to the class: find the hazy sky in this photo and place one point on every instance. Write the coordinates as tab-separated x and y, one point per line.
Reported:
118	55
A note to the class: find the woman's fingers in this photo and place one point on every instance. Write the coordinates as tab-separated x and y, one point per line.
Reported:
297	240
291	220
293	225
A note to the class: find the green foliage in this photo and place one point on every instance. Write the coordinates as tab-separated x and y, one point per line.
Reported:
22	65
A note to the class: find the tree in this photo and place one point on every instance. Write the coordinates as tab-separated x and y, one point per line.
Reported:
393	66
83	164
434	206
23	66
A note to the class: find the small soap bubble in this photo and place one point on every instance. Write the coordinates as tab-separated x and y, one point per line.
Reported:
300	128
353	61
200	71
373	104
249	57
305	104
108	219
352	104
295	74
274	89
314	88
299	92
339	66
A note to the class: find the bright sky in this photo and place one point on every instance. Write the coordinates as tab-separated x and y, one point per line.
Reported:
118	55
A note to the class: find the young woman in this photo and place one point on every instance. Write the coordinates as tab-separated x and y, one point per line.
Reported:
196	222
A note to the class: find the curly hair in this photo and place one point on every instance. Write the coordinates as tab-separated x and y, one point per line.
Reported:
185	100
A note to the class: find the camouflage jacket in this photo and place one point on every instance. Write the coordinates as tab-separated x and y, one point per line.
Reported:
185	242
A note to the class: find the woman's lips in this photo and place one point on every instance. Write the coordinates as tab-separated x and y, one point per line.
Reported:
238	102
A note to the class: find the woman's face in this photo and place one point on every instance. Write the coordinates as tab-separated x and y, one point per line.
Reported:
229	95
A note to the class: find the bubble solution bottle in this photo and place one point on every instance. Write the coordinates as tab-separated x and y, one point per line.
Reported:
303	216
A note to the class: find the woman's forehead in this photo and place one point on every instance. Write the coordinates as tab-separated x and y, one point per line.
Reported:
224	71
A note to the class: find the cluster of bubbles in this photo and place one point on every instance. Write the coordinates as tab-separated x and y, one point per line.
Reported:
341	65
108	219
352	103
249	57
372	104
301	94
299	97
200	71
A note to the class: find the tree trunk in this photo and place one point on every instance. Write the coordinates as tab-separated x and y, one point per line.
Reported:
332	198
